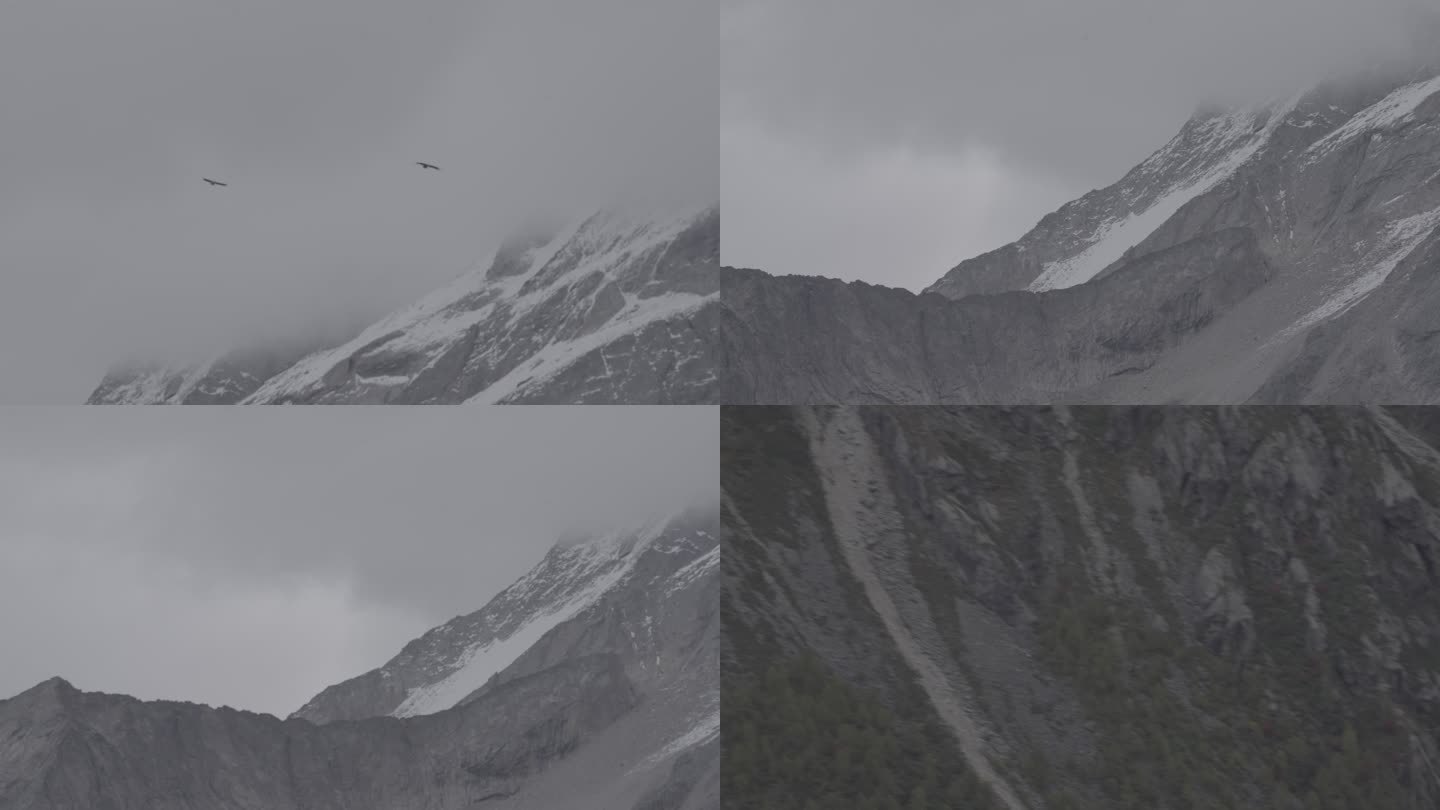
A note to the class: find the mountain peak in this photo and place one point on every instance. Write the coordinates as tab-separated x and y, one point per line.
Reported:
53	693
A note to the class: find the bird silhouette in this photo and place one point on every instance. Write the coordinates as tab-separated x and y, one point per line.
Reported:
214	182
427	166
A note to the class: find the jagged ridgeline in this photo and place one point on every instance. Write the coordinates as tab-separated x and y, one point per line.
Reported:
1092	607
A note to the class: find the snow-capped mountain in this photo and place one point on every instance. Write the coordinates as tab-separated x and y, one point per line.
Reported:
591	683
647	598
222	381
615	308
452	661
1316	216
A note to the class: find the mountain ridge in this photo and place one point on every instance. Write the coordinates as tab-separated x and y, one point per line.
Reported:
1339	187
610	308
610	681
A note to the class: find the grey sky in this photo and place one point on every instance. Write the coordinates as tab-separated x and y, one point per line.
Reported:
112	248
252	557
890	140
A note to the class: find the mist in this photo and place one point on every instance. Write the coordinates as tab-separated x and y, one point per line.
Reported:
984	116
251	557
113	250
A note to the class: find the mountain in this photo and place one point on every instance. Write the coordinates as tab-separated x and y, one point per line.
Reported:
616	308
1333	196
224	380
69	749
636	591
1100	607
592	682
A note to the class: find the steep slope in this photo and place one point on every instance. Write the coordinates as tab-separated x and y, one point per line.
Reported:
647	599
1339	187
1108	607
579	580
616	308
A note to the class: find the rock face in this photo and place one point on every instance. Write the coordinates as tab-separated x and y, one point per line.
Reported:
1109	607
889	346
618	308
1337	189
592	682
69	749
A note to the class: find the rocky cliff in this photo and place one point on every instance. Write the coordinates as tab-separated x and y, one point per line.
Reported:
1108	607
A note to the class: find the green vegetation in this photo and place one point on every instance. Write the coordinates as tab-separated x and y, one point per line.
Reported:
1223	740
799	738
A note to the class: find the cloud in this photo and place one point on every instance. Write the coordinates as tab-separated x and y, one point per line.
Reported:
1059	97
251	557
896	215
111	247
144	625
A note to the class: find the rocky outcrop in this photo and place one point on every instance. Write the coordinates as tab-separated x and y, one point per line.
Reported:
1109	607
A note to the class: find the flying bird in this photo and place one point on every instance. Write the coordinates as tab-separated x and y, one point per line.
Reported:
427	166
214	182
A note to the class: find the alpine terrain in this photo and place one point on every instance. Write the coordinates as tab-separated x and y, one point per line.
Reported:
1074	608
592	682
1286	252
618	308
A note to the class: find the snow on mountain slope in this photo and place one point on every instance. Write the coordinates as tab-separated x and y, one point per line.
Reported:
510	333
219	381
451	662
1401	239
1200	277
1215	152
615	308
1194	162
1394	109
572	579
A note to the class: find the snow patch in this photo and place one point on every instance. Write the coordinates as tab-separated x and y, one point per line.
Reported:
1118	235
483	660
692	571
604	242
1393	109
707	729
1402	238
556	357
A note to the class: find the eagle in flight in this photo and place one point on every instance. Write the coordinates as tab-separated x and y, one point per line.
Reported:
427	166
214	182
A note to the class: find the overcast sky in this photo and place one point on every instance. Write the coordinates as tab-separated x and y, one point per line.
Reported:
112	248
888	141
251	557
